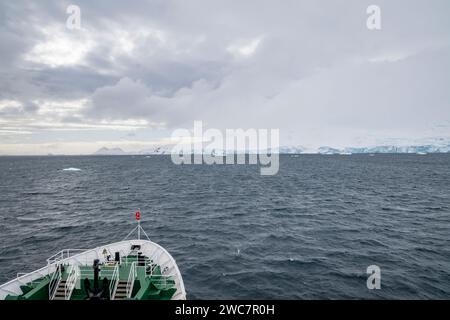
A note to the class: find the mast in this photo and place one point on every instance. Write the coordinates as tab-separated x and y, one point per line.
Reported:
138	218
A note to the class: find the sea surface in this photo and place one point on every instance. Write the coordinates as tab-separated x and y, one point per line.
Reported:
309	232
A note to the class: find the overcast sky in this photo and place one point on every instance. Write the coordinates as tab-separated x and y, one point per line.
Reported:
137	70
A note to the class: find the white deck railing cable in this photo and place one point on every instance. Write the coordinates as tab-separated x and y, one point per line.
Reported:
54	282
114	281
72	279
131	278
64	254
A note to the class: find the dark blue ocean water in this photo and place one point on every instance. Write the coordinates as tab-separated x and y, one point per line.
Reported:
309	232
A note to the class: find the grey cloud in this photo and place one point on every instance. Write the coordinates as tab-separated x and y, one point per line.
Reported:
311	68
30	107
12	111
126	99
70	82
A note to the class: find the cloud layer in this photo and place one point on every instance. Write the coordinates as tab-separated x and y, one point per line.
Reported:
143	68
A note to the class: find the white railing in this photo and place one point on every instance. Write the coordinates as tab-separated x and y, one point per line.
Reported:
54	282
21	274
86	273
72	278
64	254
150	267
114	281
132	256
161	280
131	279
127	258
105	271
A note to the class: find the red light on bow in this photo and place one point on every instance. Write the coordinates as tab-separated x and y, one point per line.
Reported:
138	215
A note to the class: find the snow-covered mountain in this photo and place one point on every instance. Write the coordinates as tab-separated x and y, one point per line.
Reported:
328	150
167	149
109	152
292	150
402	149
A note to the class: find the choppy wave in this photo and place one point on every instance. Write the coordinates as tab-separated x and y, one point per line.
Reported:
309	232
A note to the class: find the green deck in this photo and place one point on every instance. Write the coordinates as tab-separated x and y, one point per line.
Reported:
146	286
